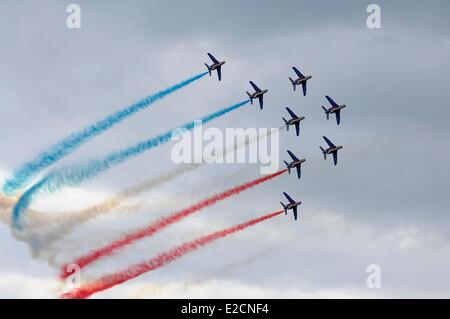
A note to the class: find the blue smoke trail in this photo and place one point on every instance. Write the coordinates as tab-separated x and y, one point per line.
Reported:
64	147
75	175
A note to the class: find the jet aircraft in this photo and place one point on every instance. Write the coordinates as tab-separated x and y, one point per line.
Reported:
300	80
332	149
335	108
215	66
258	94
291	205
295	120
296	163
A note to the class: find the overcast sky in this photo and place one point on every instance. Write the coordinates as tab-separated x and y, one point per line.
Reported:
385	203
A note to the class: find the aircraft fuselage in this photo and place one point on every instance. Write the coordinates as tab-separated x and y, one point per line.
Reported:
296	163
336	108
258	94
331	150
292	205
301	80
216	65
298	119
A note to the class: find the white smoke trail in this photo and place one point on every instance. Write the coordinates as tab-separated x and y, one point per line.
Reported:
67	221
45	231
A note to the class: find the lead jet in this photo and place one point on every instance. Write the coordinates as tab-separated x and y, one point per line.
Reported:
332	149
215	66
335	108
292	205
295	120
257	95
301	80
297	163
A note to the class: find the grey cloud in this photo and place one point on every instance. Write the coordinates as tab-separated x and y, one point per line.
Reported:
393	169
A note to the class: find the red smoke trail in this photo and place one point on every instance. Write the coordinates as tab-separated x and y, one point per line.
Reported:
162	259
162	223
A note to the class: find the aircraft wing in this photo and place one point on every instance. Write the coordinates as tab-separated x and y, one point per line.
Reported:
338	116
295	212
299	74
304	88
291	113
293	156
255	87
331	101
299	171
212	58
297	128
289	198
261	102
328	142
335	157
219	72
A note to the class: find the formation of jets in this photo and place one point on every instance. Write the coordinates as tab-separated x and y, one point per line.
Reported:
295	120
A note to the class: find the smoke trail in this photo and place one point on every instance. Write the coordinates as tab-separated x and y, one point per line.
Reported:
5	206
67	145
6	203
57	225
75	175
162	223
166	177
64	222
45	229
172	174
161	260
45	232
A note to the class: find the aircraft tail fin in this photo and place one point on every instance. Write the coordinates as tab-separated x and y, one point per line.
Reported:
250	97
293	83
288	167
209	69
284	207
327	112
287	123
324	153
